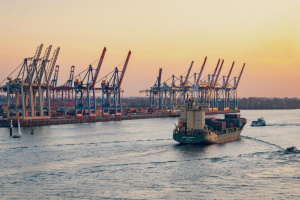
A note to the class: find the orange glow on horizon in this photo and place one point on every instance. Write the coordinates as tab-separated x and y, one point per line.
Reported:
168	34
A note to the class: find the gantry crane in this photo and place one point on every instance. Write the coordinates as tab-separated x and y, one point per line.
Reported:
85	99
53	86
215	90
111	91
199	89
64	94
55	77
231	90
19	90
185	84
225	88
45	71
155	93
207	90
69	91
32	79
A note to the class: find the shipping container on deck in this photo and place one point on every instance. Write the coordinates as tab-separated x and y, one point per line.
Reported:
229	125
208	121
232	116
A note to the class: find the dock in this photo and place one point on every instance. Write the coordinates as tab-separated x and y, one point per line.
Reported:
57	121
87	119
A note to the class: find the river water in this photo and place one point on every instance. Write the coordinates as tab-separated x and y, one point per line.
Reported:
137	159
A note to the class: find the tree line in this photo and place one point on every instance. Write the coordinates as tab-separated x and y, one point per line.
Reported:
268	103
244	103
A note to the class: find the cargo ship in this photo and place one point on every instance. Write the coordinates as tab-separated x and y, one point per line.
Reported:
193	128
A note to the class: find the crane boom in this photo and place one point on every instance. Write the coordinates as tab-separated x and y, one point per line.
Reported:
213	76
51	66
124	70
188	74
159	78
55	77
40	70
226	82
237	83
216	80
25	69
98	68
199	76
33	65
70	80
36	57
39	51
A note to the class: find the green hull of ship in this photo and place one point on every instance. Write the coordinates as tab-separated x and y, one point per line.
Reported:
189	139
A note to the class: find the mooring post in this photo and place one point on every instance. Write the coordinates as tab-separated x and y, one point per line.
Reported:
10	129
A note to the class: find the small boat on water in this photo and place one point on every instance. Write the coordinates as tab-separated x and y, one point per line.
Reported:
259	122
19	131
291	149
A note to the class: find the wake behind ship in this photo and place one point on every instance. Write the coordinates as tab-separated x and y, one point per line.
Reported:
194	128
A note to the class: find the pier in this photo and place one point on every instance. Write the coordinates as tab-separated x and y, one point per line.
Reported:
56	121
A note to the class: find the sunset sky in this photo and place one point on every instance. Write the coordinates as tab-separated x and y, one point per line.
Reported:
161	33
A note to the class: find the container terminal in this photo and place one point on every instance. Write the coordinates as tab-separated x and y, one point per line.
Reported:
35	99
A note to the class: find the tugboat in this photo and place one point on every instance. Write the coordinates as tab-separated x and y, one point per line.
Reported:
259	122
193	128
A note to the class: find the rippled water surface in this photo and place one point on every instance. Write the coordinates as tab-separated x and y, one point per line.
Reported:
138	159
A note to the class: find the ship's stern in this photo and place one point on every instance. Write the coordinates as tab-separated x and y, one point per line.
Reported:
183	138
